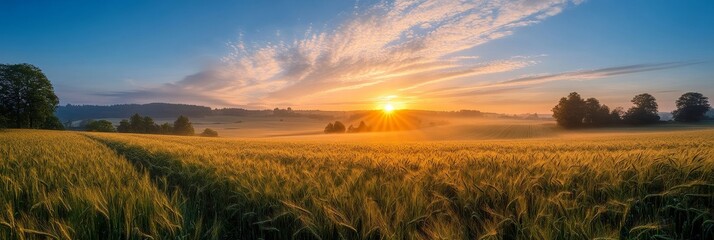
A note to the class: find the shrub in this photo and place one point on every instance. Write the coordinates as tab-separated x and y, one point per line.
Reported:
100	126
209	133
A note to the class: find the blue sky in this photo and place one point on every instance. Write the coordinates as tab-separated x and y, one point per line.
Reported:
497	56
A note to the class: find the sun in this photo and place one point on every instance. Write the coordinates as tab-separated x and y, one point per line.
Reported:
388	108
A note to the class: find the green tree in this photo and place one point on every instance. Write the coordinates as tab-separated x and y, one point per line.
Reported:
27	98
691	107
52	123
182	126
124	126
136	124
100	126
149	125
570	111
644	111
166	128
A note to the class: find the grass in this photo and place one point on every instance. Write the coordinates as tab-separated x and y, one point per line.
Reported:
637	186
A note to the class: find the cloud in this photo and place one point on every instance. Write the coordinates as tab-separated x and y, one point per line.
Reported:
391	45
572	75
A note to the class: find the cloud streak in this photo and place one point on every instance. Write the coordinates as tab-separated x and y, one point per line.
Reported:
520	83
394	45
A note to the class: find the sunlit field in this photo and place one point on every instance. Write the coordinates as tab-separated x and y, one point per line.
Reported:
71	185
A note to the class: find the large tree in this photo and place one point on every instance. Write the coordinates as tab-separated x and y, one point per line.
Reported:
644	111
27	98
570	111
691	107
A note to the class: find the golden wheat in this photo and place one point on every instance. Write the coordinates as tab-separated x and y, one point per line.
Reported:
639	186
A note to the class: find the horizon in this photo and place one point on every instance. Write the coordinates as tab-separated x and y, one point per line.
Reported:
498	57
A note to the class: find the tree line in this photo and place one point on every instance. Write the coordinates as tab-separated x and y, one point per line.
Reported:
573	111
339	127
138	124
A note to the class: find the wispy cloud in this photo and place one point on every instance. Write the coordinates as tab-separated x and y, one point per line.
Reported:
392	45
572	75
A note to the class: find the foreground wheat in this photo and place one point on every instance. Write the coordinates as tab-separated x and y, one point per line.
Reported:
631	187
56	185
639	186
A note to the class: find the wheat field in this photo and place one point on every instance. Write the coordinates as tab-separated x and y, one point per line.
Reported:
70	185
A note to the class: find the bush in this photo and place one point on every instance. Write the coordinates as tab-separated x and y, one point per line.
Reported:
100	126
209	133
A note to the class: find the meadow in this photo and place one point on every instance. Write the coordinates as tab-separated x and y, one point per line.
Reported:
639	185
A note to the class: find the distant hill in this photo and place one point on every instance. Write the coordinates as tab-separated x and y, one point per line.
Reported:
156	110
70	112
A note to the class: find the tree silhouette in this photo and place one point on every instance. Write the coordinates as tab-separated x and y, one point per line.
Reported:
338	127
27	98
182	126
616	115
329	128
570	111
644	111
691	107
596	114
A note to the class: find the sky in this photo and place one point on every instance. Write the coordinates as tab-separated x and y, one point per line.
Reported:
491	55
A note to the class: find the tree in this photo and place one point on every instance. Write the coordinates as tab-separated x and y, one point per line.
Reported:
27	98
100	126
592	110
691	107
166	128
52	123
209	133
616	115
149	125
329	128
644	111
124	126
361	128
136	124
570	111
338	127
182	126
3	121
